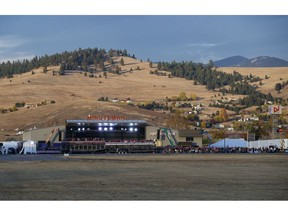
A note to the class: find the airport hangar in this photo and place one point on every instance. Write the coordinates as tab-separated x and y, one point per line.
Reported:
112	129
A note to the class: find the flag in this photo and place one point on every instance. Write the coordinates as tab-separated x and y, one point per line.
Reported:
275	109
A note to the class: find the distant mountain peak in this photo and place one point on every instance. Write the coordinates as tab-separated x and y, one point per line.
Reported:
260	61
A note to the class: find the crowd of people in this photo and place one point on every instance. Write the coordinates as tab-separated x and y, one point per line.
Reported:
188	149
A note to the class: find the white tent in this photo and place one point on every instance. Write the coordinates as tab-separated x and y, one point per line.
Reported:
228	143
29	147
8	146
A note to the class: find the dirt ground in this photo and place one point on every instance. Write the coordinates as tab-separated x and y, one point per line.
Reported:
144	177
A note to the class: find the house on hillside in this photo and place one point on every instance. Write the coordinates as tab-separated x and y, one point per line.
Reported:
30	105
115	100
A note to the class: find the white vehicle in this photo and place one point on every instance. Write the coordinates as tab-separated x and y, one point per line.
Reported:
10	147
14	147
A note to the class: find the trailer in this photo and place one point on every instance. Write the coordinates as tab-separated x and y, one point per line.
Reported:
10	147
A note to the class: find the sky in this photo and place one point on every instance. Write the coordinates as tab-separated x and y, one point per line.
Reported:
196	38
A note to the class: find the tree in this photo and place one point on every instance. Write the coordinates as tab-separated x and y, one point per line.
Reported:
84	66
193	97
122	61
278	87
177	121
218	135
182	96
101	65
45	69
203	124
150	64
210	64
159	66
223	114
118	69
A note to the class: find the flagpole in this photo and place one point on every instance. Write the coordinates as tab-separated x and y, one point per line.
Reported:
272	126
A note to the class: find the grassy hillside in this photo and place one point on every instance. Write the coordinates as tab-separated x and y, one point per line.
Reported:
275	74
76	95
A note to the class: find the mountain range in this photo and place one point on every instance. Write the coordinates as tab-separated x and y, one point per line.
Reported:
261	61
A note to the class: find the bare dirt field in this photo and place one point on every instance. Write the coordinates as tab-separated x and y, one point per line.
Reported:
144	177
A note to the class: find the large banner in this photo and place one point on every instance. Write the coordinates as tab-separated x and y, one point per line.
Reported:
275	109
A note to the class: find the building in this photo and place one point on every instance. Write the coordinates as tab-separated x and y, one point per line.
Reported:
105	129
187	137
110	130
52	134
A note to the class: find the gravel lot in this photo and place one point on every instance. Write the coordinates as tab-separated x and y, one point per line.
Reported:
144	177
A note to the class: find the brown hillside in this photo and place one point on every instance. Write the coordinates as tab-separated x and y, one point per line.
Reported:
274	74
77	95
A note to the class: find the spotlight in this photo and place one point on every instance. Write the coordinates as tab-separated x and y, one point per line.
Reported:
131	129
100	128
105	129
111	128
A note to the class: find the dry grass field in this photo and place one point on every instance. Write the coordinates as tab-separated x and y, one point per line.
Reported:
144	177
275	75
77	95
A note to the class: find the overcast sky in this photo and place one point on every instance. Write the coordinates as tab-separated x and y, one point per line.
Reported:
160	38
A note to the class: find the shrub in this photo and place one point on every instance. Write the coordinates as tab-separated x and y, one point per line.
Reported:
20	104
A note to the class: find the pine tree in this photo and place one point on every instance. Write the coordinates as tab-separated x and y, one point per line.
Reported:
278	87
159	66
150	64
122	61
45	69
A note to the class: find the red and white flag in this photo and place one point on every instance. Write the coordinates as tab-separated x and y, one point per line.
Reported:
275	109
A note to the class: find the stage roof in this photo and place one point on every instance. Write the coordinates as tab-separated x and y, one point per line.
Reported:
106	121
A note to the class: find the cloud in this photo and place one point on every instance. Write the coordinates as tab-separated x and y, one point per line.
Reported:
10	41
205	44
16	56
202	56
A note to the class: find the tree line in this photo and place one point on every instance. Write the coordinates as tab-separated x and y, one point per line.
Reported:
208	75
204	74
68	60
